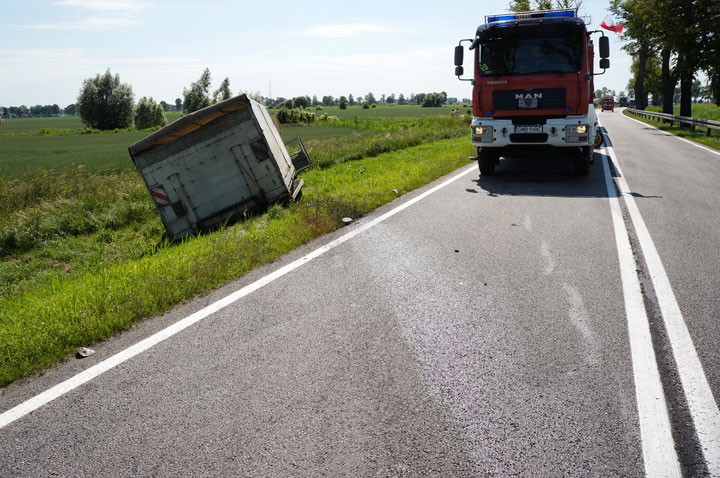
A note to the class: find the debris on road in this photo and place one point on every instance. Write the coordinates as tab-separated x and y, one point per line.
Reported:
83	352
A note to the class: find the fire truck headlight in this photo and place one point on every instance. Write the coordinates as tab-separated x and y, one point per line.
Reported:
579	129
483	134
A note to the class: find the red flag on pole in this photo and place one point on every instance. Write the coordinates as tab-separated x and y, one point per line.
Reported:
609	24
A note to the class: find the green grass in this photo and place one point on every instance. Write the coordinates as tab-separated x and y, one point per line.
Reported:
25	154
29	125
42	324
705	111
388	111
698	135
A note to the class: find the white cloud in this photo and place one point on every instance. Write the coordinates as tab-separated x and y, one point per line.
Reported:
344	30
106	6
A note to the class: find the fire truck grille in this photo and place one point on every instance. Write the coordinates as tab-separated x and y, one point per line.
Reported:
528	138
552	98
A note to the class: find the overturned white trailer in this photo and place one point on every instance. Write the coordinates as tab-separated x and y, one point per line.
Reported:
216	164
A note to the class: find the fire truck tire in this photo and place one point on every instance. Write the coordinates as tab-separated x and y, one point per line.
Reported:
583	161
598	138
486	161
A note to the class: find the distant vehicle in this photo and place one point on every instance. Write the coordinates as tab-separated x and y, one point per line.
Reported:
608	103
623	101
631	103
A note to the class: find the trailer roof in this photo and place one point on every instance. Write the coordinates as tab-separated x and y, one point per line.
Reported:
188	123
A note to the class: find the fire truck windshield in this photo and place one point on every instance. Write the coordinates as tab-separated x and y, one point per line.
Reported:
530	50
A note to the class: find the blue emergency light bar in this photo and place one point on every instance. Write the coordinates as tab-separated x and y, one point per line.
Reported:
504	17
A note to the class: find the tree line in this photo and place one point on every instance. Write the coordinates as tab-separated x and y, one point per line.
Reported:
105	103
670	42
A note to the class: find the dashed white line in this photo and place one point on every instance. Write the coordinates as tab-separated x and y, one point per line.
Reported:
72	383
658	447
701	402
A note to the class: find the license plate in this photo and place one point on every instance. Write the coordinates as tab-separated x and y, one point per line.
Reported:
528	129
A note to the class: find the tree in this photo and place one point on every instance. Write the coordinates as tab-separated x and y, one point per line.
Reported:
105	103
519	6
370	98
300	102
390	99
315	101
178	104
432	100
524	5
351	100
639	33
419	98
149	114
223	92
328	100
196	97
382	99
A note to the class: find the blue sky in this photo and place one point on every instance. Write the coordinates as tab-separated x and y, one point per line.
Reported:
301	48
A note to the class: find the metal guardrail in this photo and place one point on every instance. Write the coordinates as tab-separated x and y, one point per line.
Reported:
683	120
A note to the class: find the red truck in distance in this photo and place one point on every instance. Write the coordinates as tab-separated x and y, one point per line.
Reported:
533	86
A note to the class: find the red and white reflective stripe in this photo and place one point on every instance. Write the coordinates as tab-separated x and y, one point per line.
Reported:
159	195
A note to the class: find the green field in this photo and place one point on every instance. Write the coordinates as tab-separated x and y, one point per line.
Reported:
388	111
79	234
705	111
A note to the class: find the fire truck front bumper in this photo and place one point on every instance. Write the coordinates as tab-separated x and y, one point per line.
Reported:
568	132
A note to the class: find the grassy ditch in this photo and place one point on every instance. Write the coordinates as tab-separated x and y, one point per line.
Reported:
41	325
698	135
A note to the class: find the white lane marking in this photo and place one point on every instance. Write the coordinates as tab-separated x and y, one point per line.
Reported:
83	377
702	404
656	435
549	265
579	318
527	223
674	136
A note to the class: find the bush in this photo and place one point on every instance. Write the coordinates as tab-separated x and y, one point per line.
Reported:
374	105
318	108
366	106
149	114
295	115
105	103
343	106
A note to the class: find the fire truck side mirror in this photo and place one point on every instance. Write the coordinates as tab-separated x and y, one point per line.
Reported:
459	56
604	47
459	71
604	63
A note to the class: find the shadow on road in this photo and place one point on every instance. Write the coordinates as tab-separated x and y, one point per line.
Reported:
551	176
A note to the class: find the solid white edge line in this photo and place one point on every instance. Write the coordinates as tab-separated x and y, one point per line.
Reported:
658	446
83	377
701	402
674	136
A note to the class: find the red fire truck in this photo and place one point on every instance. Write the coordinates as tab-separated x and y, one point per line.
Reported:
533	86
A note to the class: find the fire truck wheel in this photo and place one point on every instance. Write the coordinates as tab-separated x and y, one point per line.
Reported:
486	161
583	161
598	138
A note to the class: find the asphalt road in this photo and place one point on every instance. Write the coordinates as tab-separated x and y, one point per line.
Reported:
482	331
